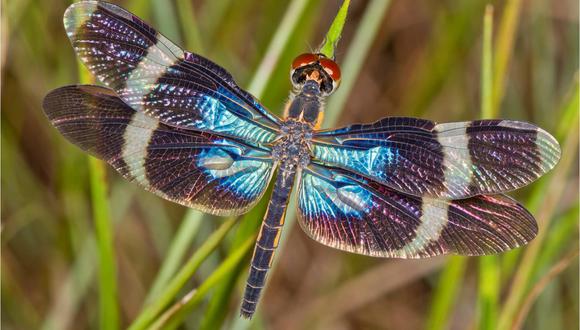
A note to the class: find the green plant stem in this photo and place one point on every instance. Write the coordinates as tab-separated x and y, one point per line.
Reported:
108	305
355	57
356	54
446	292
189	26
176	314
504	48
563	230
489	288
172	289
487	109
489	266
334	33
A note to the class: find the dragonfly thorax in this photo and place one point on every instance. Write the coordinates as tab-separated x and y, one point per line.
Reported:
306	104
292	148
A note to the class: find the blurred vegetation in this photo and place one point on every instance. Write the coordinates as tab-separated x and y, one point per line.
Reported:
64	232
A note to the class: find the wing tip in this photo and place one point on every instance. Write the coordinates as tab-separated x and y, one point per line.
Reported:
519	223
77	14
51	101
548	147
57	102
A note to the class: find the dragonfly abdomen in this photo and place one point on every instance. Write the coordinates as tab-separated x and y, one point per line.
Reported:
267	241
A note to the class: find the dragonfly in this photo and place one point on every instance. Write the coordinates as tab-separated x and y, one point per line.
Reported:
178	125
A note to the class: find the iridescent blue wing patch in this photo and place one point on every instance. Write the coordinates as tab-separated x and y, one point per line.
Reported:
351	213
450	160
153	75
208	172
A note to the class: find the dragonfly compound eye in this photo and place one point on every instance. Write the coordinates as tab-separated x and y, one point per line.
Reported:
331	68
304	59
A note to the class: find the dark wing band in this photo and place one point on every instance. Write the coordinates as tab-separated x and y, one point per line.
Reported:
451	160
153	75
348	212
200	170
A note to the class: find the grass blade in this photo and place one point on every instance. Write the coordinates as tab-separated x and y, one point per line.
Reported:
249	224
189	26
488	294
487	109
451	278
77	283
489	271
75	287
448	287
151	311
540	286
563	230
175	315
278	43
454	33
108	303
504	48
180	243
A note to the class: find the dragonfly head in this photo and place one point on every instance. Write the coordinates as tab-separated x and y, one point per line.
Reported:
316	67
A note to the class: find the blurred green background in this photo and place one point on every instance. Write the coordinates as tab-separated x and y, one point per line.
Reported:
74	260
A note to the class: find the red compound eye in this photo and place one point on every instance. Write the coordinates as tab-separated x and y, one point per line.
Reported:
304	59
331	68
